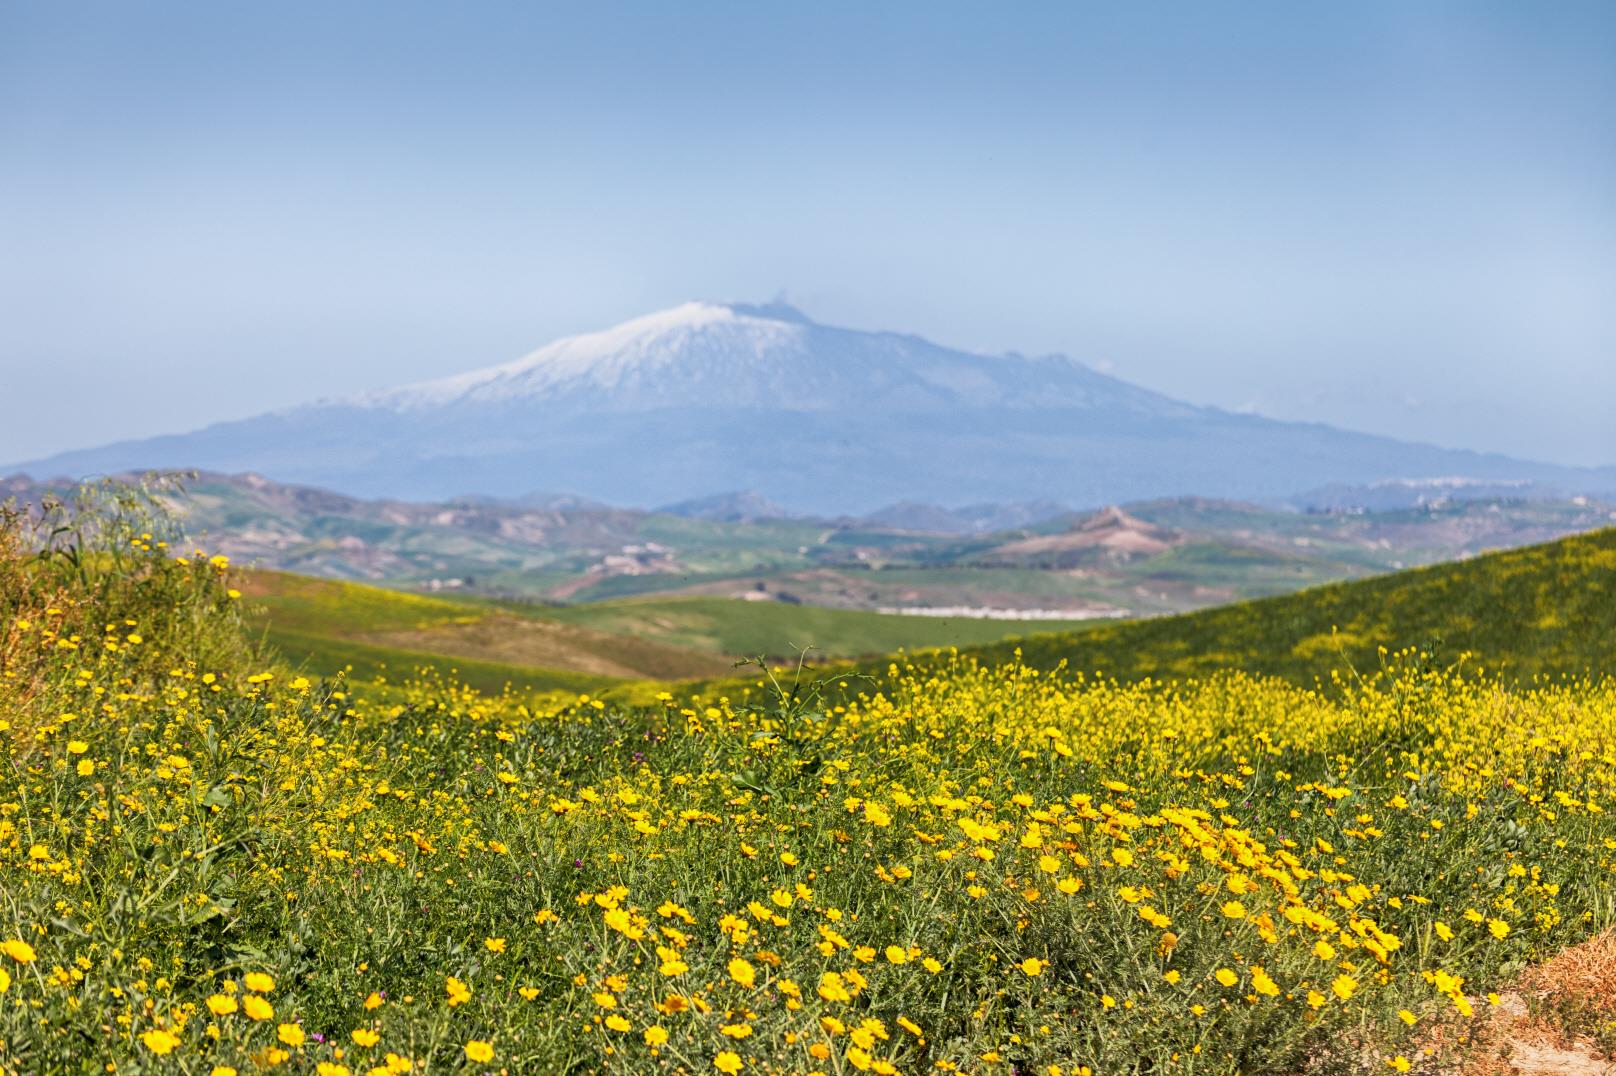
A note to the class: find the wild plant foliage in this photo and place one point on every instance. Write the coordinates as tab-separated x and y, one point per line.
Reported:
211	864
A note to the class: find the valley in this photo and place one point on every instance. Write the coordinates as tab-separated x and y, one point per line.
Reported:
559	593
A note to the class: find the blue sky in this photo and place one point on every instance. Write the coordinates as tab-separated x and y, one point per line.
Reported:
1397	217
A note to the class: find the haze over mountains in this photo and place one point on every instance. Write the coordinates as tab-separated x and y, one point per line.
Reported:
704	398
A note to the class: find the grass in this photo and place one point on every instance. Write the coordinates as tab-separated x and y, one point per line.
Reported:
1544	610
780	629
309	605
325	624
211	863
322	655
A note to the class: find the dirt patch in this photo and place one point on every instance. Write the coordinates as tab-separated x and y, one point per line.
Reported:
1558	1019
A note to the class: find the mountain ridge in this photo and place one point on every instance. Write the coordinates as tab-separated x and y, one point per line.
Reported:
685	403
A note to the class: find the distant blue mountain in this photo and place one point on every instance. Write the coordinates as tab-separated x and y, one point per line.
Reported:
703	398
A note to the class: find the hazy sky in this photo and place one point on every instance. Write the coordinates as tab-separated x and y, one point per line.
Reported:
1398	217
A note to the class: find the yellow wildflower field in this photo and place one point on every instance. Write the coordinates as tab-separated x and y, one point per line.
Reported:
210	864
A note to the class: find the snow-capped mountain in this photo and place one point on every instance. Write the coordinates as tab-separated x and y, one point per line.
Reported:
708	397
706	355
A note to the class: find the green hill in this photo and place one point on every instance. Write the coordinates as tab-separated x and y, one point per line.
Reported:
326	656
1542	610
323	625
779	629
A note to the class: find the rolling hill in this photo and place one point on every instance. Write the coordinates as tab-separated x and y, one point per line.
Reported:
323	625
1544	610
1141	559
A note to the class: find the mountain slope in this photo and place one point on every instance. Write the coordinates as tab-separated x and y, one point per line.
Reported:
702	398
1543	610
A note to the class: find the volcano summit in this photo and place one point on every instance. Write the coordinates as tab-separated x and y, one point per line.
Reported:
706	397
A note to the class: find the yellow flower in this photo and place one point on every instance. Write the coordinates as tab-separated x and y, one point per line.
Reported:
373	1002
290	1034
5	980
257	980
364	1036
257	1008
618	1023
1498	928
85	767
742	972
222	1004
1323	950
1227	977
655	1036
459	993
897	954
222	1070
494	945
18	950
727	1062
1344	986
478	1050
159	1041
1032	966
1234	910
77	747
831	987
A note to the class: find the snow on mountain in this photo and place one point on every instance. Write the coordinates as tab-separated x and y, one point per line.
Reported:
705	397
611	360
708	354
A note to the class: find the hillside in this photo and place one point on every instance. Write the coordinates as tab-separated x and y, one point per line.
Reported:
321	625
706	397
978	870
1547	609
1140	559
778	629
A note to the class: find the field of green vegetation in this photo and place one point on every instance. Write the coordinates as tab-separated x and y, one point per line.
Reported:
215	863
780	630
1145	559
1450	612
1545	610
325	625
